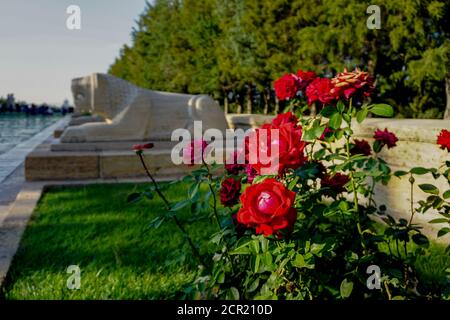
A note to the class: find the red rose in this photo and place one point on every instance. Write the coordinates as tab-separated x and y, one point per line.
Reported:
335	184
361	147
305	78
346	84
326	133
234	165
251	173
268	207
284	118
385	138
286	87
262	144
229	192
443	139
320	90
142	147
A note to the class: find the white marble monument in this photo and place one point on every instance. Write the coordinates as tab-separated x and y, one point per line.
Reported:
132	113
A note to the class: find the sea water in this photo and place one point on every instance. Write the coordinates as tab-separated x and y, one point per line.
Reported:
16	128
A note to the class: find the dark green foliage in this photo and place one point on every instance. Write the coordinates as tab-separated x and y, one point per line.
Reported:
234	49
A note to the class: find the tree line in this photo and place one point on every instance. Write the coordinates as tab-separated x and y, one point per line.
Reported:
235	49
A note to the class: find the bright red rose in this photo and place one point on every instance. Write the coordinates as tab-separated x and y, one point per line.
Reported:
268	207
385	138
320	90
142	147
262	145
286	87
347	84
229	192
361	147
284	118
443	139
334	184
305	78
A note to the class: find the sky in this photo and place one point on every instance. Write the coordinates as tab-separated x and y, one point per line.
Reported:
39	55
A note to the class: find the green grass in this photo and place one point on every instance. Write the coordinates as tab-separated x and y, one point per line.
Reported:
120	257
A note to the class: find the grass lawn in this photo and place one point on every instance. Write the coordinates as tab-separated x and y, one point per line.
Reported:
120	257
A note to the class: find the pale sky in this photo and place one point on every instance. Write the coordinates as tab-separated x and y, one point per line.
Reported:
39	55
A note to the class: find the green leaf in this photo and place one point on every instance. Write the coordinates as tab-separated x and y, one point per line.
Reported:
242	247
156	223
340	106
254	246
429	188
233	294
346	288
134	197
361	115
443	232
328	111
382	109
446	194
180	205
400	173
148	195
301	261
254	263
335	121
438	220
420	239
419	170
267	260
253	286
193	191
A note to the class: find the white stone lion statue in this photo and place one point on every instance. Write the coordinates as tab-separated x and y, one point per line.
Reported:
132	113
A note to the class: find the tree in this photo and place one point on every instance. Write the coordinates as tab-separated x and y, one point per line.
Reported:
221	47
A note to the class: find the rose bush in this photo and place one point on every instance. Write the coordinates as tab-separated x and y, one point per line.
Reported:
307	226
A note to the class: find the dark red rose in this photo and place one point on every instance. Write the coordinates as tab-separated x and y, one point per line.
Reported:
347	84
325	133
262	144
361	147
268	207
142	147
284	118
320	90
251	173
443	139
286	87
385	138
305	78
334	184
230	190
234	165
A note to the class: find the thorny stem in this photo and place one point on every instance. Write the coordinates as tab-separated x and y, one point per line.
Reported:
168	207
411	201
352	179
211	188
